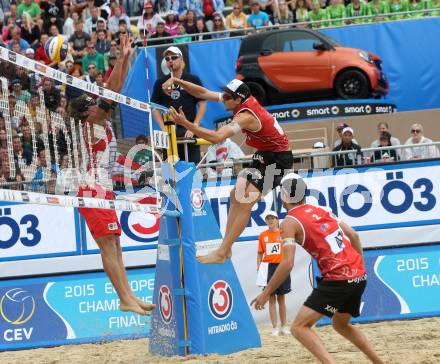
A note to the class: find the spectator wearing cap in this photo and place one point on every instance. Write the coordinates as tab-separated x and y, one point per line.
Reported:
385	155
18	92
93	58
113	21
270	252
160	33
339	128
347	159
384	127
30	7
257	18
149	19
419	152
171	24
30	53
193	107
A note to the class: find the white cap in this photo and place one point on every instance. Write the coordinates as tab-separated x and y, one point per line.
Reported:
318	145
348	129
271	213
293	182
174	50
238	88
30	51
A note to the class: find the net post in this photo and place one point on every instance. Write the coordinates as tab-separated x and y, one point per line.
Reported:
170	128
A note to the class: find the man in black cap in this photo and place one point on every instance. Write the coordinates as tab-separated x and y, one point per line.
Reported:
272	158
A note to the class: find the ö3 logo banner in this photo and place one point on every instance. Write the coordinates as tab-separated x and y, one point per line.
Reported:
139	227
220	299
24	230
165	304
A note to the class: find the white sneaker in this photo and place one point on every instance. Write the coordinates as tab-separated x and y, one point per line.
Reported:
285	330
275	332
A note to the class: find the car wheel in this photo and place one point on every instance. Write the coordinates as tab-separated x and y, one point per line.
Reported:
352	84
258	91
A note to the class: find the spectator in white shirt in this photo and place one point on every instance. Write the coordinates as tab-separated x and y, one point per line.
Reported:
223	153
113	22
422	152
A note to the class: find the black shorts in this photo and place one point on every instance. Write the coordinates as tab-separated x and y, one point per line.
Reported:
267	169
330	297
284	288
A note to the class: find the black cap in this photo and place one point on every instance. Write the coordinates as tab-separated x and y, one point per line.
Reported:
238	88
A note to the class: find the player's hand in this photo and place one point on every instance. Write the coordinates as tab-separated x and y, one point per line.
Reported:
189	134
167	86
259	301
178	116
125	45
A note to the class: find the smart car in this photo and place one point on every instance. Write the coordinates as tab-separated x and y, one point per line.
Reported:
302	64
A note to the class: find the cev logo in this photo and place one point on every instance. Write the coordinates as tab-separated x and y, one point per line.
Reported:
17	306
220	299
165	304
140	227
197	199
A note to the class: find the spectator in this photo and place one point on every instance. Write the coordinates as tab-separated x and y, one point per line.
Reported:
381	128
385	155
236	19
318	15
78	41
162	7
66	181
53	14
190	22
160	33
3	140
112	61
52	95
378	8
202	30
419	152
219	25
30	7
398	6
354	9
347	159
339	128
93	57
19	93
123	29
180	7
71	91
78	6
30	31
144	154
92	73
181	32
100	80
171	24
336	10
54	30
415	5
283	14
223	153
16	38
40	54
257	18
91	23
69	24
193	108
149	19
20	157
102	43
301	12
113	22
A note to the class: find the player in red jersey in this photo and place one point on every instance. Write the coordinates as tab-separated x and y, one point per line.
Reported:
272	158
337	249
99	159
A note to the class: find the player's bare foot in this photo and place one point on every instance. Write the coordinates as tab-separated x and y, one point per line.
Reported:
146	306
215	257
132	306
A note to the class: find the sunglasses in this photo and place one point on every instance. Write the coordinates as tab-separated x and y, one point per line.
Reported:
171	58
91	67
226	97
416	131
219	20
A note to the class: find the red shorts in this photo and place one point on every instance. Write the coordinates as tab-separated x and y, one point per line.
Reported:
101	222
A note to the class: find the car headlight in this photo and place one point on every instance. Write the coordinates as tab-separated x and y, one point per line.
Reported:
366	57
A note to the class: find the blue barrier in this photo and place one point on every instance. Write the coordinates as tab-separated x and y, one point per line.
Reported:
201	309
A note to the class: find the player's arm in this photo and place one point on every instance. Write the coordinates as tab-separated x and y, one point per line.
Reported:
240	121
289	231
353	236
197	91
119	73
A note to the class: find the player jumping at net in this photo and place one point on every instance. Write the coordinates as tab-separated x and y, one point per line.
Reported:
269	162
101	155
337	249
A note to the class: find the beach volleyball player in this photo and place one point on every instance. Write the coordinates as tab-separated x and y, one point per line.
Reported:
337	249
101	155
262	131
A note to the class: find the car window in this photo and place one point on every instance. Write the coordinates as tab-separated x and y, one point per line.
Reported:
297	42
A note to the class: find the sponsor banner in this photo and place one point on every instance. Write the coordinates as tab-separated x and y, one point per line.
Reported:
27	231
69	309
319	110
402	283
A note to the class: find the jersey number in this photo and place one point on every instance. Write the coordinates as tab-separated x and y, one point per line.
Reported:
335	241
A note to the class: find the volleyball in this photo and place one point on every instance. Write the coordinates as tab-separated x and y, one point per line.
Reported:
57	48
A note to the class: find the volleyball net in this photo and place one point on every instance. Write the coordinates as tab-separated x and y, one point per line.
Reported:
45	152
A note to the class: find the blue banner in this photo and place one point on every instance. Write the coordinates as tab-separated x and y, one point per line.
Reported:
413	79
69	309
